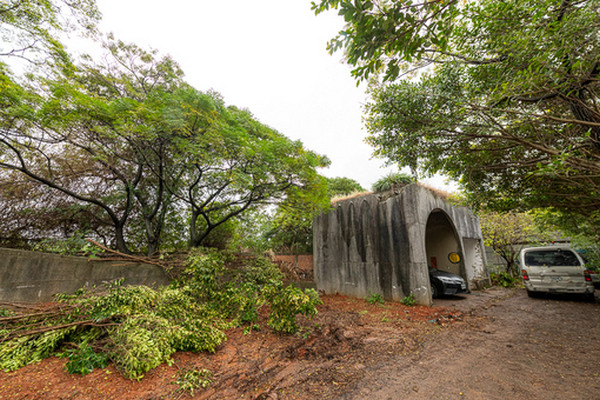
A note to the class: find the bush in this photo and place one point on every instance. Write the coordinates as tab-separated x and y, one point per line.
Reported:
76	244
409	300
84	360
260	271
286	303
139	328
504	279
392	180
375	298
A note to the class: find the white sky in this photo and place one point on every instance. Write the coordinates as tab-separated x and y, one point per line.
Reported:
269	57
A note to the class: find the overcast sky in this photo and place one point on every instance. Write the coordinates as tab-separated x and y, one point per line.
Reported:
268	56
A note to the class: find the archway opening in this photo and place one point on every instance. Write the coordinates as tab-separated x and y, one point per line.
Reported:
442	245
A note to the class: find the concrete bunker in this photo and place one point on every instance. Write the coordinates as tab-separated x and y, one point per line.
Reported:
384	243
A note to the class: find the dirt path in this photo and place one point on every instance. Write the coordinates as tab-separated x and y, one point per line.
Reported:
546	348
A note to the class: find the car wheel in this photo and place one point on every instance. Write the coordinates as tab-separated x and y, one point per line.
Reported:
531	294
435	291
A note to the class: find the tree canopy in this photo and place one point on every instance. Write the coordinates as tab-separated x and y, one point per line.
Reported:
501	96
31	29
341	186
507	233
123	149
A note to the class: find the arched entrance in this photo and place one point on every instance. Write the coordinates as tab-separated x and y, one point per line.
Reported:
442	244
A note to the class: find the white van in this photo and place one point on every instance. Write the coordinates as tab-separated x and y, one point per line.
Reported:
555	269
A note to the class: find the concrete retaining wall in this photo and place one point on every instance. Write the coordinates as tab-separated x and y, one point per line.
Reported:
27	276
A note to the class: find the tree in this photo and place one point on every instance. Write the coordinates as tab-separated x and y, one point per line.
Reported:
31	213
342	187
237	165
507	233
97	137
135	145
292	228
31	29
507	106
583	231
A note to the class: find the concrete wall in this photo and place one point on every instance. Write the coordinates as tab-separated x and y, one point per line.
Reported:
296	267
27	276
377	244
303	262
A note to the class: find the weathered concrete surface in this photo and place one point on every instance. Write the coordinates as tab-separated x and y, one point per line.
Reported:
27	276
377	244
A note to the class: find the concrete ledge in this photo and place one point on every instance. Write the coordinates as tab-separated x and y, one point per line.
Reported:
28	276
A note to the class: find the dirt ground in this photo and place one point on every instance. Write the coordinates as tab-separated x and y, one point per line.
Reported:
494	344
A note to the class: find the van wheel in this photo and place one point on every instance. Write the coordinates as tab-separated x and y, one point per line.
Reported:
590	297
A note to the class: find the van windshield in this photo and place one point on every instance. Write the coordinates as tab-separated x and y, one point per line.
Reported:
551	258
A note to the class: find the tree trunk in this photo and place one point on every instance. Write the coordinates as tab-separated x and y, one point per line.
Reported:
120	239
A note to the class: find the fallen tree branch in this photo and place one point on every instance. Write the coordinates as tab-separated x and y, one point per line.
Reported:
126	257
48	329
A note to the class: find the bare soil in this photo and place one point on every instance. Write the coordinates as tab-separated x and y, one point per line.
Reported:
494	344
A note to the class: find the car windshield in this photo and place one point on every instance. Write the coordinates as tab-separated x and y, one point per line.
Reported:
551	258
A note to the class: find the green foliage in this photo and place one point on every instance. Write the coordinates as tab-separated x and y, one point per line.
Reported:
24	350
507	233
342	187
286	303
140	328
237	293
260	270
409	300
252	231
504	279
75	244
5	313
375	298
84	360
291	229
583	230
380	36
31	29
147	147
391	181
191	379
506	106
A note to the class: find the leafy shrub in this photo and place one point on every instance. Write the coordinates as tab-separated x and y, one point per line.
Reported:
409	300
286	303
260	271
204	272
375	298
84	360
392	180
140	328
503	279
24	350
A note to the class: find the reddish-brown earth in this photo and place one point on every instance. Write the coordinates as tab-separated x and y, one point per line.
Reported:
494	344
